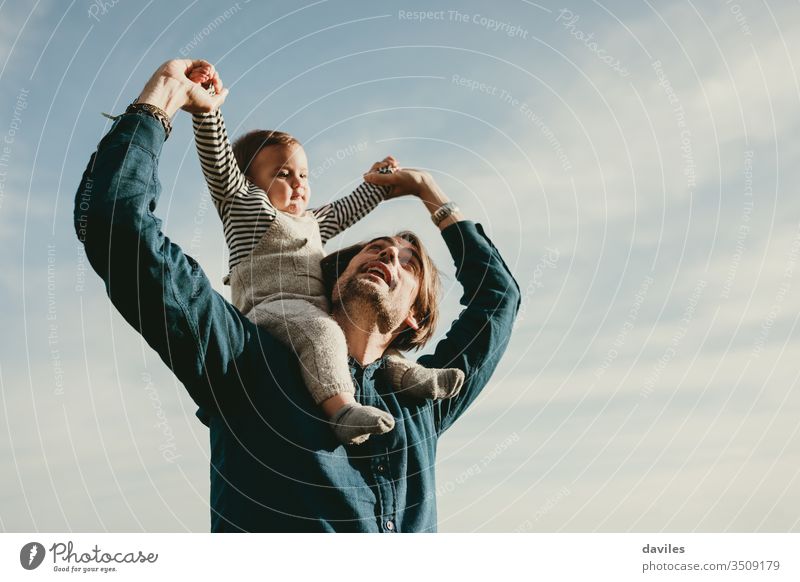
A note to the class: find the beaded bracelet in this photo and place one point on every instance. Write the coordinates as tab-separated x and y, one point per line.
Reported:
153	110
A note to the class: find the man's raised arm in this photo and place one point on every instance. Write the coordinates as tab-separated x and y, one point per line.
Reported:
159	290
478	338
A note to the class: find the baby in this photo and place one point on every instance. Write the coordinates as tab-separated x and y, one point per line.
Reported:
260	190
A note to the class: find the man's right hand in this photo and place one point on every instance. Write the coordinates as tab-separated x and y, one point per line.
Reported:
408	181
171	89
404	181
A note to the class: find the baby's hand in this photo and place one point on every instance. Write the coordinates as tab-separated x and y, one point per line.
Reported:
205	75
205	84
200	74
386	166
403	182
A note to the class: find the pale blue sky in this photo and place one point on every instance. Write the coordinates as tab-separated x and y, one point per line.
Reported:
636	165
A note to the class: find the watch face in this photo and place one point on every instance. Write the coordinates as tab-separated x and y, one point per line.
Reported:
444	211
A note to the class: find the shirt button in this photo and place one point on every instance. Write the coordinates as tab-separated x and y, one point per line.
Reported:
390	525
381	468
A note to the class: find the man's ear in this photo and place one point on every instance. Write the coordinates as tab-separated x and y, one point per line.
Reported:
411	322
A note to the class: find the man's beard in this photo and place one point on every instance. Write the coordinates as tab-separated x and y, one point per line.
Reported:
358	295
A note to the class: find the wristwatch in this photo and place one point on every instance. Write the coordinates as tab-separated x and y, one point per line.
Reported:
444	211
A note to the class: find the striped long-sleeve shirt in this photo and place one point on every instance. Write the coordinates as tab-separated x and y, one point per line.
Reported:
245	209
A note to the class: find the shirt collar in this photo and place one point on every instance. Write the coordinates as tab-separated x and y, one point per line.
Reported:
369	369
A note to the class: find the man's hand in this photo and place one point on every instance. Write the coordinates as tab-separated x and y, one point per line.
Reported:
387	162
387	165
403	181
170	87
408	181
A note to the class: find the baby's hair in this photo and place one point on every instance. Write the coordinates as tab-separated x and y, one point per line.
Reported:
246	147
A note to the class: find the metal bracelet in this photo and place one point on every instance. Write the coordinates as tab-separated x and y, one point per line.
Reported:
444	211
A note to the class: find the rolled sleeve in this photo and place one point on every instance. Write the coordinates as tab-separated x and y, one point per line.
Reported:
478	338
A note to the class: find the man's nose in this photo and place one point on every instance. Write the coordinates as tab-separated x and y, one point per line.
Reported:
391	254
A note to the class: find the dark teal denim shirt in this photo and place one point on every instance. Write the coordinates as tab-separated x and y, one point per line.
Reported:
275	464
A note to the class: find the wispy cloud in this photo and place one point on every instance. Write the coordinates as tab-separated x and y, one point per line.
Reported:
648	218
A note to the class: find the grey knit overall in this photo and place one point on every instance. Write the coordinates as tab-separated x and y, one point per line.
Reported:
279	286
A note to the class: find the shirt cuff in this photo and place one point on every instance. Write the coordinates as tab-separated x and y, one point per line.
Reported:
457	236
204	115
466	239
379	191
137	129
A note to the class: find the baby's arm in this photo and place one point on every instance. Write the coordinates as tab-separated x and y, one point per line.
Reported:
341	214
223	176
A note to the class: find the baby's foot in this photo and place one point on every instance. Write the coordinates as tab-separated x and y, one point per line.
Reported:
435	383
353	423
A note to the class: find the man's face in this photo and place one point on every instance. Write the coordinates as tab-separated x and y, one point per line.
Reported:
385	275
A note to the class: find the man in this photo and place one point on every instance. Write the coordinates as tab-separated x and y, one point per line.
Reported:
275	465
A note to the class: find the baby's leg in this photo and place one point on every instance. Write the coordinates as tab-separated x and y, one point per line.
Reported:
321	349
410	378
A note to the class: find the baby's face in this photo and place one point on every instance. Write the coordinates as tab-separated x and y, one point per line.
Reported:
282	172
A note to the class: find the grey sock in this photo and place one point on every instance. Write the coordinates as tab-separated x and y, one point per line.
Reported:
435	383
353	423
